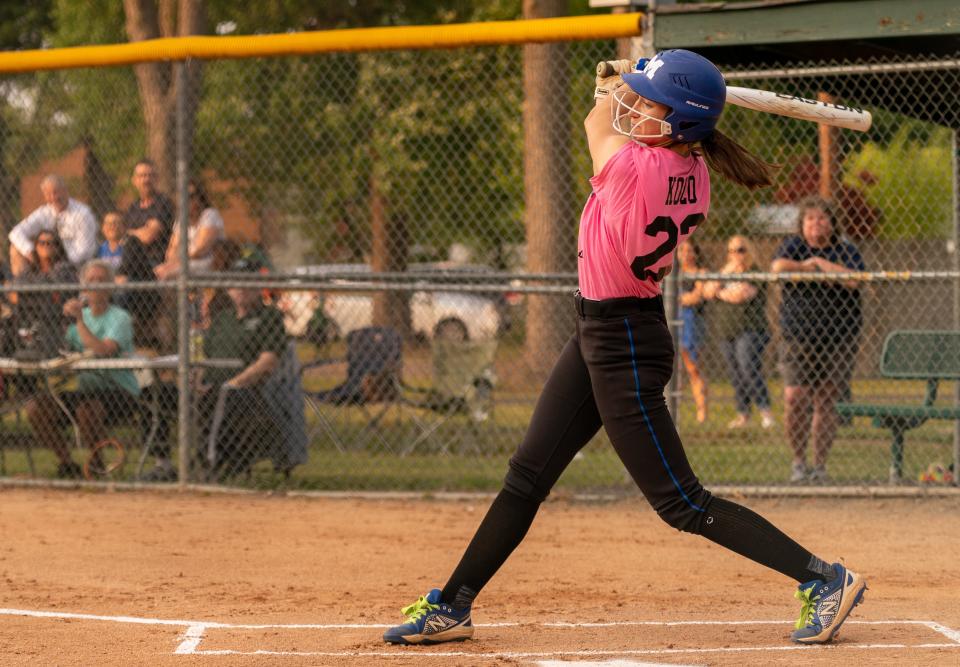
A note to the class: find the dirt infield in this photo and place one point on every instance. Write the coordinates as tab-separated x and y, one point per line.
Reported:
192	573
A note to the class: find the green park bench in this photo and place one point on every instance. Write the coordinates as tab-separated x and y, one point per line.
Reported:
912	355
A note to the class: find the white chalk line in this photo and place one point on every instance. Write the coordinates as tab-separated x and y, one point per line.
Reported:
406	653
195	631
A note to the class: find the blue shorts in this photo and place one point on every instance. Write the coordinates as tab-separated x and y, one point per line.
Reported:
694	331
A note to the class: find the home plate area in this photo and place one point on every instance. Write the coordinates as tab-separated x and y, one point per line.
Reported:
611	645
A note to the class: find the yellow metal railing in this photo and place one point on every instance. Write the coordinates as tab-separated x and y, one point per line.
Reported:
359	39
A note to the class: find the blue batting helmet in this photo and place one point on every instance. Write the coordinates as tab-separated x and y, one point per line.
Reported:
690	85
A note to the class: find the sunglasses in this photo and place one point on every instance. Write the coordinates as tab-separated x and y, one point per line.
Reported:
740	250
48	242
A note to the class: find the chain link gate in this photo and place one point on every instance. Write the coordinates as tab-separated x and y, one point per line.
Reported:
357	247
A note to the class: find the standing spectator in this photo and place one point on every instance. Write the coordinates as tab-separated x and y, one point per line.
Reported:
821	323
114	231
101	397
148	221
73	221
741	325
204	230
693	333
150	218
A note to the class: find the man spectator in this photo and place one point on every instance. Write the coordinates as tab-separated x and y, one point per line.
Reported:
149	221
150	218
232	402
73	221
101	397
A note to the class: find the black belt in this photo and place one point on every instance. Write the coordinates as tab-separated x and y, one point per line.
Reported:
620	307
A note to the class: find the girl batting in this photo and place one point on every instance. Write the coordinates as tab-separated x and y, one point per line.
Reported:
651	190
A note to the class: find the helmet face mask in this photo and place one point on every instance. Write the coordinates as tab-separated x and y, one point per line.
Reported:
689	84
629	120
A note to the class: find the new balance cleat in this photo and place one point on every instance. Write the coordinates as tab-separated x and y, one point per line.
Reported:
430	621
827	605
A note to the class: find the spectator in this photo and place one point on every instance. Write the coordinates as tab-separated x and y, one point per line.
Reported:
37	315
101	397
821	323
694	325
253	333
741	326
148	220
73	222
203	232
114	231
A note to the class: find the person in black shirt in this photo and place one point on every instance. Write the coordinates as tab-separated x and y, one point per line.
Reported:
821	323
149	223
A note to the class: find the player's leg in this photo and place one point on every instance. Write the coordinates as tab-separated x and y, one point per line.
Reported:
647	442
564	420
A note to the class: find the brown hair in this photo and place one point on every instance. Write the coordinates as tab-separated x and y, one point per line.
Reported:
828	208
736	163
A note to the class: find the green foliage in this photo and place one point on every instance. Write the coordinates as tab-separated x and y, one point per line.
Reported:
913	190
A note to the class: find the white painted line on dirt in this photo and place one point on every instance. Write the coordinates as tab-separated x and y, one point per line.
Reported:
410	652
191	640
944	630
608	663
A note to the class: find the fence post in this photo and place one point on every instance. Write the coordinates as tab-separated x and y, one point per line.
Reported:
183	319
955	187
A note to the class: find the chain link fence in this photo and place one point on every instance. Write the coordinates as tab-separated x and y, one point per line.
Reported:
366	305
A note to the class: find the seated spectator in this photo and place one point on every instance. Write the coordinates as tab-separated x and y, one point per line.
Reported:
37	315
102	397
247	431
204	230
741	325
72	221
114	232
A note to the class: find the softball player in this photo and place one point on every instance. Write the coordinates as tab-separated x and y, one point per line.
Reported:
651	190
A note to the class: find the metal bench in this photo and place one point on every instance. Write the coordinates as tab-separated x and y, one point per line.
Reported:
912	355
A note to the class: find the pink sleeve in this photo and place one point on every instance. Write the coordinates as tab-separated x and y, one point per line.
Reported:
616	186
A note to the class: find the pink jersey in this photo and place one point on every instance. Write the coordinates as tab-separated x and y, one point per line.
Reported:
645	201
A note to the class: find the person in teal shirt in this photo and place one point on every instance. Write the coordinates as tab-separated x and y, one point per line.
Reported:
102	397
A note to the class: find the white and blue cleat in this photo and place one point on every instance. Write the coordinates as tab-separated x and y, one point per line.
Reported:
827	605
430	621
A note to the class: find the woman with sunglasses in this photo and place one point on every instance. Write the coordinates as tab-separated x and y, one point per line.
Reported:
37	314
651	142
740	322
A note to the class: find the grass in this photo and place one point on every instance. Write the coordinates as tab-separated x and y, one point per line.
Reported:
458	458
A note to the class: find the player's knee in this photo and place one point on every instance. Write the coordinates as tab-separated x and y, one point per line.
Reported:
524	483
682	513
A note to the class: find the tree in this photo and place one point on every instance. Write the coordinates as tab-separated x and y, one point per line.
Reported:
146	19
551	240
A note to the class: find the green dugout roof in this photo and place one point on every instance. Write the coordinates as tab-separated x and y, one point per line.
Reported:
791	34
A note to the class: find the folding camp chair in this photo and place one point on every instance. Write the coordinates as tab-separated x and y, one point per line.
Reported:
372	385
462	392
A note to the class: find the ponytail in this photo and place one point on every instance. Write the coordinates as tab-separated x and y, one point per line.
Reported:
736	163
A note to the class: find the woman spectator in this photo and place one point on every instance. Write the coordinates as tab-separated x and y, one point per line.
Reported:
741	326
821	321
37	314
694	325
204	230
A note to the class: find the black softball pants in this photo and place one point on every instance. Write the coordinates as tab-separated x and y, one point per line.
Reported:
612	373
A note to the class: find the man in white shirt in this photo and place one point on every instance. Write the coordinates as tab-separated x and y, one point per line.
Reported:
73	221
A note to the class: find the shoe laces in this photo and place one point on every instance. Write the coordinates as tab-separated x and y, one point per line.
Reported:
419	609
808	606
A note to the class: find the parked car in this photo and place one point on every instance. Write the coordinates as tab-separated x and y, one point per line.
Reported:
450	315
